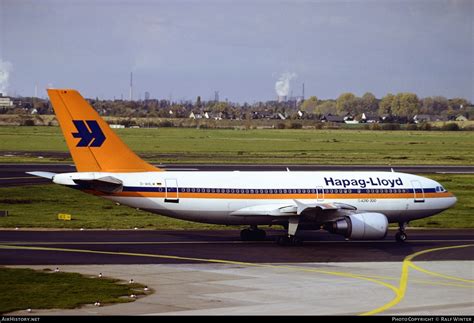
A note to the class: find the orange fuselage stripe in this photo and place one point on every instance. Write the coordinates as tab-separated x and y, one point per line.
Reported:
273	196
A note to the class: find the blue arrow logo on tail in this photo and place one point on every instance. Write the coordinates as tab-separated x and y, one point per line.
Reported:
91	135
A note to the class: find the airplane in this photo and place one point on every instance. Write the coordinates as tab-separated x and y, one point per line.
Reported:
357	205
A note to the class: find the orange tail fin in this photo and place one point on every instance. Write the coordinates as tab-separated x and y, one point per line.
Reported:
93	145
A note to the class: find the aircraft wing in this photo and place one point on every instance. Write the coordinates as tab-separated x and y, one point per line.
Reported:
297	208
308	207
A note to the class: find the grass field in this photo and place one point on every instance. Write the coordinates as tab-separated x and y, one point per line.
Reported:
38	206
27	288
263	146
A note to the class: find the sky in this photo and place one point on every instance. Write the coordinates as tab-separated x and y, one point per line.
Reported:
243	49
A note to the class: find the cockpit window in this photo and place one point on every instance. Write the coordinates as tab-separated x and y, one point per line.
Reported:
440	189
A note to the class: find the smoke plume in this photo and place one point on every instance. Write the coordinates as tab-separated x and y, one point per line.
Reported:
5	69
282	86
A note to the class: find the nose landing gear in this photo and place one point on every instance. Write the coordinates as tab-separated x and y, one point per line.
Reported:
401	235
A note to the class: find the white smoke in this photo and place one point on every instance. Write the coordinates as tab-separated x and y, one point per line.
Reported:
282	86
5	69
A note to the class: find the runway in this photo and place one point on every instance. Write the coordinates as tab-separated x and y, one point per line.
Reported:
15	174
213	273
105	247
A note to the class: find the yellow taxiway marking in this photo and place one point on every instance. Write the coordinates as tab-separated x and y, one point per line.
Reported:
46	243
398	291
406	265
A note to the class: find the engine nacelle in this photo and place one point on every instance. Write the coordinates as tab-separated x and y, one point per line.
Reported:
361	226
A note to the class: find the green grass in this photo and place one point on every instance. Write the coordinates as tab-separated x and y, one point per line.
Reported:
27	288
38	206
462	215
263	146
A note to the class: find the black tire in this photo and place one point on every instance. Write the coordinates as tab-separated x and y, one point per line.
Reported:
283	241
245	235
296	242
260	235
289	241
253	235
401	236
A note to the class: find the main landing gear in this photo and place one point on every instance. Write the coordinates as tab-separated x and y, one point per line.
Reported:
401	235
252	234
290	239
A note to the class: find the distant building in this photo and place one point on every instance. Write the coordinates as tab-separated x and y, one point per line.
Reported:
386	118
420	118
331	118
5	101
117	126
195	116
368	118
350	119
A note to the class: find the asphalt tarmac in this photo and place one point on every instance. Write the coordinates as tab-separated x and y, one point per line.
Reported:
15	174
86	247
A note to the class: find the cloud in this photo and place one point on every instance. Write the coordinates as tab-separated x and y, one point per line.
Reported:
5	70
282	86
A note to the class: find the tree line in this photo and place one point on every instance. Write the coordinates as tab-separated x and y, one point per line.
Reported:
404	105
401	104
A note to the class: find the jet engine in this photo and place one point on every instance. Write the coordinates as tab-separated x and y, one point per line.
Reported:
360	226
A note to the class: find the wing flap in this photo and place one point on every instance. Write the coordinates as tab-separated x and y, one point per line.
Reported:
295	209
267	210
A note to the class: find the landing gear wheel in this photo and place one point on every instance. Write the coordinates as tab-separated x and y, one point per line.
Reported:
289	241
252	235
401	236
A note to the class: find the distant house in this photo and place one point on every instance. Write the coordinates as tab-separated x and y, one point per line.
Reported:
195	116
461	118
369	118
331	118
117	126
5	101
349	119
420	118
387	118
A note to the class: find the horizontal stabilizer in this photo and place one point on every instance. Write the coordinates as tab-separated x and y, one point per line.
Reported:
107	184
47	175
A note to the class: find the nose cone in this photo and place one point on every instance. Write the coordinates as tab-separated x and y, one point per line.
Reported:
452	201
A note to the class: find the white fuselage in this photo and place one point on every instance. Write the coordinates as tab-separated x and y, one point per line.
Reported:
216	197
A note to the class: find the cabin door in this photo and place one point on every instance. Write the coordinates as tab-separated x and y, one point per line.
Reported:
171	193
320	193
419	193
